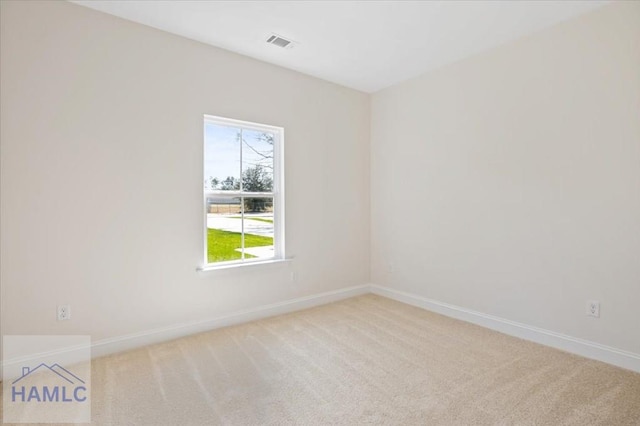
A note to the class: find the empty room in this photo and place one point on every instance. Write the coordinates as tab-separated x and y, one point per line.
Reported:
320	212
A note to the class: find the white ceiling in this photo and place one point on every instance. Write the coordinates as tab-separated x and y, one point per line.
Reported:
366	45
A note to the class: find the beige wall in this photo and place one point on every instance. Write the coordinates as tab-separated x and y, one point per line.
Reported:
102	174
509	183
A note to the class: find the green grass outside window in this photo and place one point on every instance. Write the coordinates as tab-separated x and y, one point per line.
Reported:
222	245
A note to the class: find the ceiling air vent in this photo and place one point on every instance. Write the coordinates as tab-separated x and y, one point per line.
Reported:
279	41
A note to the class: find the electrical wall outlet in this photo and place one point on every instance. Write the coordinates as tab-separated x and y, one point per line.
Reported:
593	308
64	312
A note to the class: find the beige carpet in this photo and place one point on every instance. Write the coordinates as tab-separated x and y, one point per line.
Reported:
366	360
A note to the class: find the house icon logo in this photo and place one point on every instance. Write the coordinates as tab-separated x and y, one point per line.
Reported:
48	383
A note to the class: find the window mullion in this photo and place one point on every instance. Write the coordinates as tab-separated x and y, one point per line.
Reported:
241	136
241	201
242	226
223	194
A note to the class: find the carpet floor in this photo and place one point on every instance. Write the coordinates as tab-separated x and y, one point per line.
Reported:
365	360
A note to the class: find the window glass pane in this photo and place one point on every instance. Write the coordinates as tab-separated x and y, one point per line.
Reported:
257	161
239	157
221	158
224	229
258	227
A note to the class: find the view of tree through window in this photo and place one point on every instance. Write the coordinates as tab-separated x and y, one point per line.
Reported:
239	188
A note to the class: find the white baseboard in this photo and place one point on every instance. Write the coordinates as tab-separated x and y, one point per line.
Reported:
136	340
131	341
560	341
585	348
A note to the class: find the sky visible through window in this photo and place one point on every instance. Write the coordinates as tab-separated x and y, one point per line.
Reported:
222	152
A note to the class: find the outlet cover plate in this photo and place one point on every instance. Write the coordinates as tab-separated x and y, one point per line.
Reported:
593	308
64	312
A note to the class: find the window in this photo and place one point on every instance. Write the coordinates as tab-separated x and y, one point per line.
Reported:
243	192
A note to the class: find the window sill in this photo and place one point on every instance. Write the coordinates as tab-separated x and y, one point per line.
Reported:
244	265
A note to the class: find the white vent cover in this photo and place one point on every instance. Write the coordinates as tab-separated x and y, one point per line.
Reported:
280	41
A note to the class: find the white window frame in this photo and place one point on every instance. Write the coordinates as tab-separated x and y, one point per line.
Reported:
277	194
